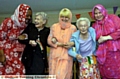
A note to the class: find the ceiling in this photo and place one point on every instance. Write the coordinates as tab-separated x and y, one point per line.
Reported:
8	6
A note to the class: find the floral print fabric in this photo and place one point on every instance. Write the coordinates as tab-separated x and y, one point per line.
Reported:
88	68
10	29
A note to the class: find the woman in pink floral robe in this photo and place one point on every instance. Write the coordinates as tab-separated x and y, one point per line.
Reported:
107	28
10	29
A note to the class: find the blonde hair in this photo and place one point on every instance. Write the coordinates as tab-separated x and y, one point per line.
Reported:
83	19
65	12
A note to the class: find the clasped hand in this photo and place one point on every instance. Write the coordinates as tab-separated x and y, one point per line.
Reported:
65	45
102	39
79	57
32	43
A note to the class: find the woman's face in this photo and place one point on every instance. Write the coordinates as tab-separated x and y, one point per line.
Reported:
83	27
98	15
64	19
28	17
39	21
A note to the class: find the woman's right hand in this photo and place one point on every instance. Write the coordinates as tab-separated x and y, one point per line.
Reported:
32	43
60	44
79	57
54	40
23	37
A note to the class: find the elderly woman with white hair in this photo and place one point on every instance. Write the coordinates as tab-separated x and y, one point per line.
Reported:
34	56
85	46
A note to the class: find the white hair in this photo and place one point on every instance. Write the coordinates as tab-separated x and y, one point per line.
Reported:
43	14
83	19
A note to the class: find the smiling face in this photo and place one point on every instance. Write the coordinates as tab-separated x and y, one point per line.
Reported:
64	19
28	18
98	15
39	22
83	27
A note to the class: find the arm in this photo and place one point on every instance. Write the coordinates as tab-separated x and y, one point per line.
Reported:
116	21
115	35
3	30
69	45
72	51
49	40
23	37
47	36
104	38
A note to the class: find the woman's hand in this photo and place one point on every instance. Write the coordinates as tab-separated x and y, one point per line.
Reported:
60	44
54	40
79	57
2	57
68	45
104	38
32	43
23	37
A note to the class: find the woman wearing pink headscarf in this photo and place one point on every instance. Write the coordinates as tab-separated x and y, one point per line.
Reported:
60	63
10	29
108	36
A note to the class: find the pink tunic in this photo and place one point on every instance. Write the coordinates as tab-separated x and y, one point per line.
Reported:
60	63
108	53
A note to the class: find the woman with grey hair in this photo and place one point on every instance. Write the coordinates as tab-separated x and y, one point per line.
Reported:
35	37
85	46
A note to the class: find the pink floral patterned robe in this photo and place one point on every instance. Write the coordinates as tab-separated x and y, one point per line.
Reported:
108	52
10	29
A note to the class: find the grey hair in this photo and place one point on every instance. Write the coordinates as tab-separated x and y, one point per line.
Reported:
83	19
43	14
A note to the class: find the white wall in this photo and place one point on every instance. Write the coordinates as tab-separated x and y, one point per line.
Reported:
53	16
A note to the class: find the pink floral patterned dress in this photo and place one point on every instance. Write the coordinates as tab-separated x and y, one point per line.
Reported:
10	29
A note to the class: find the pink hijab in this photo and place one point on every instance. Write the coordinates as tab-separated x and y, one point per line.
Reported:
101	8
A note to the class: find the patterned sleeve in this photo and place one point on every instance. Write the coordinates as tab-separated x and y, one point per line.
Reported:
116	20
3	32
4	29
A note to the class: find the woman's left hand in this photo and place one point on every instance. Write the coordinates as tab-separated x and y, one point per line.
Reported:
68	45
101	39
104	38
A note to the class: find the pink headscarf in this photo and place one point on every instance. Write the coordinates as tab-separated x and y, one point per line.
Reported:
19	15
101	8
